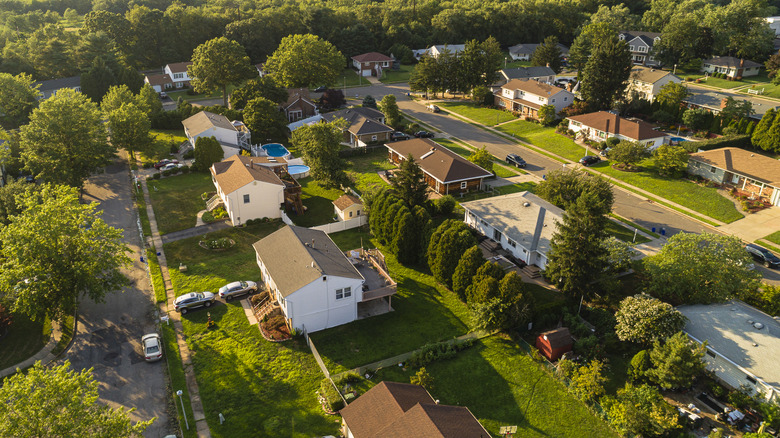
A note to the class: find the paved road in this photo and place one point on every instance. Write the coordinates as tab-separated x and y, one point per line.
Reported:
109	333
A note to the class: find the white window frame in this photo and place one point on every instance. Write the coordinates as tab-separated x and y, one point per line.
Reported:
464	184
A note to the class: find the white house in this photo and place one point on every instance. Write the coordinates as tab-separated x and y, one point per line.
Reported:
743	345
314	283
232	136
371	64
730	66
641	46
47	89
159	82
178	73
522	223
523	52
602	125
526	96
774	24
247	189
647	81
454	49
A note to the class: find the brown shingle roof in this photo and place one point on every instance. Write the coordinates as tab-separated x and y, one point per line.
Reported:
159	79
205	120
740	161
647	74
426	420
361	120
443	164
179	67
295	95
532	86
558	338
238	171
345	201
614	124
372	57
297	256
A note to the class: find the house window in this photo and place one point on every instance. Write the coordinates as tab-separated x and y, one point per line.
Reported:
575	123
750	379
358	213
78	89
178	75
502	104
373	138
602	135
339	294
541	99
631	48
350	214
463	185
565	99
710	353
520	93
511	243
553	101
642	49
651	58
712	169
246	199
343	293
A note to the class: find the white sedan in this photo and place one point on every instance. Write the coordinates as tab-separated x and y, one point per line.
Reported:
152	346
170	166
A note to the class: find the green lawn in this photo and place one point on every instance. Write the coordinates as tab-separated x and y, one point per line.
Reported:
318	202
485	116
515	64
624	234
727	84
263	389
140	204
461	149
158	284
501	385
199	96
349	78
543	137
169	135
362	169
423	312
176	200
767	89
24	339
175	372
774	237
402	75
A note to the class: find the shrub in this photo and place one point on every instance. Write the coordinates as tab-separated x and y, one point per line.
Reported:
185	169
166	172
147	164
275	322
349	377
156	176
439	351
445	205
190	154
174	148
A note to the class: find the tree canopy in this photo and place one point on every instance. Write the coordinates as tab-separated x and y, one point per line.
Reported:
305	61
320	144
265	87
409	183
264	119
207	152
389	108
676	362
548	54
640	411
644	319
606	72
563	187
18	97
218	63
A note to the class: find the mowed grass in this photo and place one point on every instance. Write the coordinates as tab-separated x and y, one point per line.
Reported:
624	234
176	200
362	170
402	75
25	338
318	201
470	110
349	78
424	312
774	237
761	78
501	385
543	137
263	389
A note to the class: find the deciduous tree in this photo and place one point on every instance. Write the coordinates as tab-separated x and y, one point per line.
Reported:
389	108
670	160
629	153
644	319
423	379
129	128
320	144
640	411
695	118
587	383
305	61
563	187
18	97
218	63
115	97
676	362
547	115
482	158
265	87
207	152
672	95
264	119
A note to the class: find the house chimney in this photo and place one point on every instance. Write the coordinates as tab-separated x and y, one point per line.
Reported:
741	62
312	243
548	65
723	102
606	130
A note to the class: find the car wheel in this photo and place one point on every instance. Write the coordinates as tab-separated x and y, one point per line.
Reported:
227	297
766	264
183	310
208	304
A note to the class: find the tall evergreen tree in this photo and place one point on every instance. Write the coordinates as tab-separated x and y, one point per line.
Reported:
606	73
448	243
96	81
761	130
771	140
409	183
389	108
469	263
548	53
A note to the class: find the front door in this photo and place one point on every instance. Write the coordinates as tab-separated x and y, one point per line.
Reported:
734	179
497	235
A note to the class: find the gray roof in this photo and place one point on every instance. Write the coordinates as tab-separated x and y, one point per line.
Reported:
528	49
527	72
711	100
56	84
730	62
726	329
647	37
361	120
349	113
453	48
532	225
297	256
205	120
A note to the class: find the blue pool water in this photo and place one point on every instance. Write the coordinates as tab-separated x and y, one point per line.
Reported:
678	139
275	150
297	169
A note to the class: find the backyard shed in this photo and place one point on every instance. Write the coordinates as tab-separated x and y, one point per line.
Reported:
555	343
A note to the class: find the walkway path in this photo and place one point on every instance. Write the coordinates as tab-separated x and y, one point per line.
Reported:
45	355
189	373
190	232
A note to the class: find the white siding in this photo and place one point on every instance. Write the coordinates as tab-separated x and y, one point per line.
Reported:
264	201
222	135
518	250
316	307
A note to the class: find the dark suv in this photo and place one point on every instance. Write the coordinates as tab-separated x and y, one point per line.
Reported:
399	136
763	256
515	160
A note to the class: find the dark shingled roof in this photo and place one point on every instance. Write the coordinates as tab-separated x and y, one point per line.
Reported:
297	256
612	123
443	164
558	338
361	120
527	72
730	62
56	84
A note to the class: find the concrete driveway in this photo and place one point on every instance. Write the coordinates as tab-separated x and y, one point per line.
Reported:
109	333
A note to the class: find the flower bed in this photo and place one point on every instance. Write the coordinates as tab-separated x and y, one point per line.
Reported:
749	205
275	329
217	244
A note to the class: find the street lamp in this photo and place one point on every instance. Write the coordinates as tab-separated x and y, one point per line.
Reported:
181	399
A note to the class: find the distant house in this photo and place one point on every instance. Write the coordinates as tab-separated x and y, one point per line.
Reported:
371	64
732	67
526	97
742	345
178	74
47	89
522	223
159	82
435	51
523	52
314	283
232	136
299	105
602	125
445	171
260	70
745	170
774	24
365	126
348	207
541	74
554	343
392	409
641	44
647	82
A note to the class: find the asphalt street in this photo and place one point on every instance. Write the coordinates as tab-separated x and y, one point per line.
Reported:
109	333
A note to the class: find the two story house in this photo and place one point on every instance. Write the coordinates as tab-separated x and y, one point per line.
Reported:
541	74
641	46
178	74
232	136
526	96
365	125
647	82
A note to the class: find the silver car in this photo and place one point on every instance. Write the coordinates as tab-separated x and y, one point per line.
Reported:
183	303
152	346
237	288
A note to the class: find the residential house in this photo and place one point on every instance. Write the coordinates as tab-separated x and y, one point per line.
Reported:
524	52
260	69
392	409
159	82
299	105
232	136
554	343
714	100
47	89
602	125
526	97
742	345
315	285
641	46
541	74
348	207
435	51
748	171
178	74
734	68
248	189
522	223
365	126
647	81
371	64
446	172
774	24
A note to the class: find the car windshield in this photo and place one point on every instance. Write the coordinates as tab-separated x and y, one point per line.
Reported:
223	289
152	349
243	283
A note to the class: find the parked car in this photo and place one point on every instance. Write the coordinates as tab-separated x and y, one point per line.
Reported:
763	256
237	288
165	162
605	152
320	89
398	136
29	179
170	166
184	303
163	95
515	160
152	347
433	108
423	134
589	160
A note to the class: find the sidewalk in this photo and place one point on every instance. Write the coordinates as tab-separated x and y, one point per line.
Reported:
189	373
44	355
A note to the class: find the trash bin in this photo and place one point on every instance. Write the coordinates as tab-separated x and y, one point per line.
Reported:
652	229
663	231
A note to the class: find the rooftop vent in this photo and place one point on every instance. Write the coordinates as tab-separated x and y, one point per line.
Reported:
428	154
526	204
758	325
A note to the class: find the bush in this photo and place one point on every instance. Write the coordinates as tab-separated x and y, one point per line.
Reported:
174	148
613	141
734	141
350	377
156	176
185	169
166	172
147	165
445	205
439	351
190	154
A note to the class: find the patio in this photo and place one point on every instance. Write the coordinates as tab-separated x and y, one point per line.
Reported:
378	288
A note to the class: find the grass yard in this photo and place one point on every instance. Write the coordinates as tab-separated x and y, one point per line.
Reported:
158	284
727	84
318	201
140	204
175	371
264	389
402	75
485	116
176	200
461	149
624	234
200	96
424	312
25	338
502	385
515	64
543	137
349	78
774	237
362	170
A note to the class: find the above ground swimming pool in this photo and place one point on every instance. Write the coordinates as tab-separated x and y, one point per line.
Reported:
275	150
298	171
